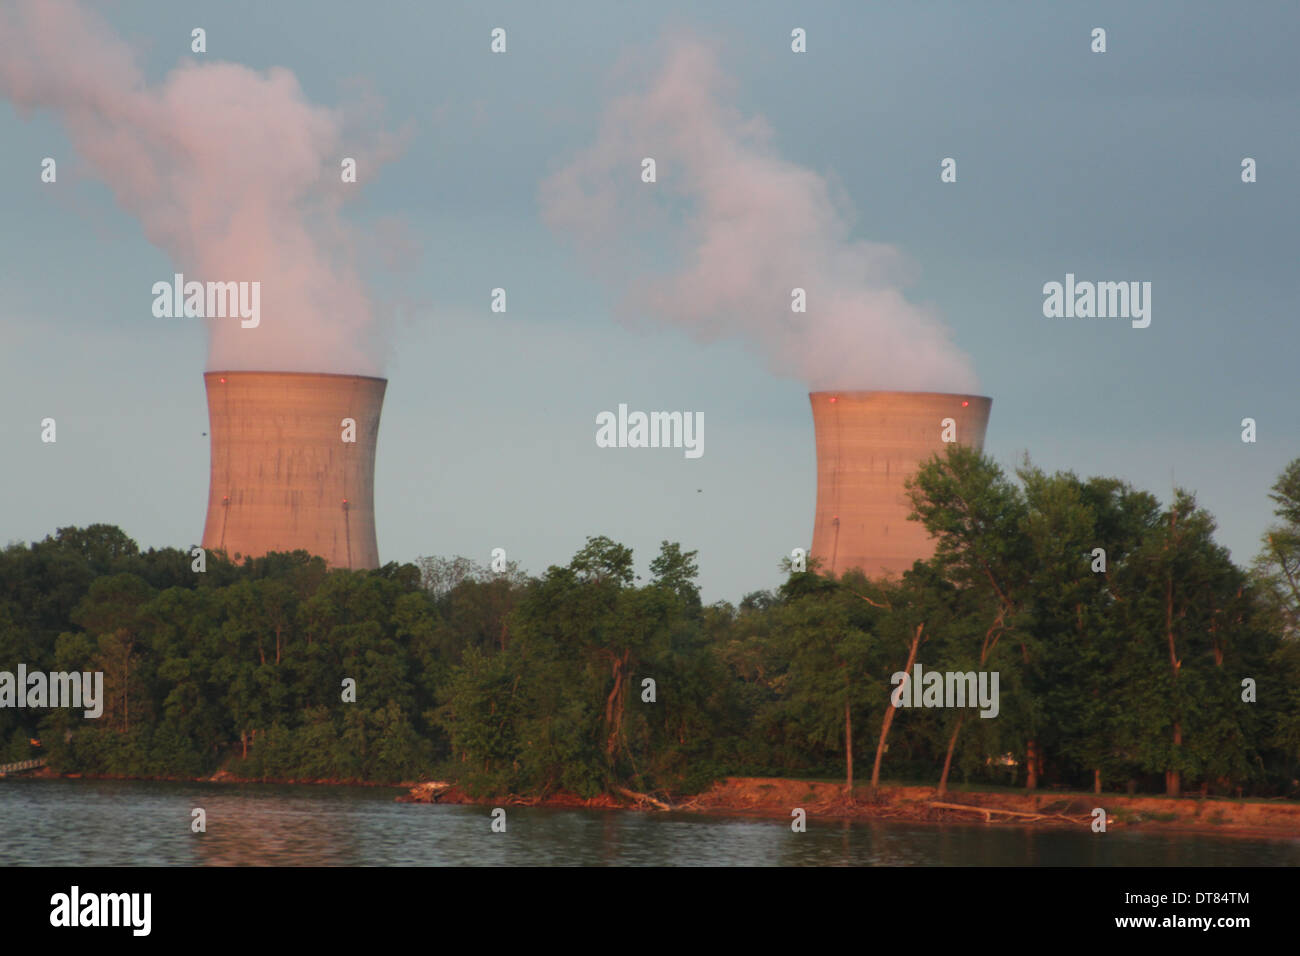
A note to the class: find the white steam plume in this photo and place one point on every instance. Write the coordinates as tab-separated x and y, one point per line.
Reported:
229	170
745	227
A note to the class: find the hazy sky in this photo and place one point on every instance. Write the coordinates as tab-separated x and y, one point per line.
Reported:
1122	166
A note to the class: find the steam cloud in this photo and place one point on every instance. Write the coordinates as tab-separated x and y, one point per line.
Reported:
745	227
229	170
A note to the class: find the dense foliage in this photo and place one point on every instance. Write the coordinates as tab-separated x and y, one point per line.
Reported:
1129	669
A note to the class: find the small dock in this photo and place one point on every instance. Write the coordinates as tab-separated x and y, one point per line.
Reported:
22	765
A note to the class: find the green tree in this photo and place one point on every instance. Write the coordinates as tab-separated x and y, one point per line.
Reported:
975	514
111	611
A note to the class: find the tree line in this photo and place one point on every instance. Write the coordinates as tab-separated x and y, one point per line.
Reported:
1132	655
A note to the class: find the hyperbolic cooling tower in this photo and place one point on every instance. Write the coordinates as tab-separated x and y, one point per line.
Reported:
867	444
282	475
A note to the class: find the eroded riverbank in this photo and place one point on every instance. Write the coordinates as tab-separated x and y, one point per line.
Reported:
779	797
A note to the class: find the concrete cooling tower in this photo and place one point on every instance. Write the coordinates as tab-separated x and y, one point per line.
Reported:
868	443
283	477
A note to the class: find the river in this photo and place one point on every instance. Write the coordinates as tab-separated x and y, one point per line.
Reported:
132	823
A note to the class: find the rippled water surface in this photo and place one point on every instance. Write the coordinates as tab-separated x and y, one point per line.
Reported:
128	823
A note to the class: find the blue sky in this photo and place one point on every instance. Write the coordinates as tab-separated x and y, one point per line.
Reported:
1115	166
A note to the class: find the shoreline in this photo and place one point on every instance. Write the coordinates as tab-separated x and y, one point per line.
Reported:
777	797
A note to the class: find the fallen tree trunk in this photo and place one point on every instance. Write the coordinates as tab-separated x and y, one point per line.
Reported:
989	811
643	797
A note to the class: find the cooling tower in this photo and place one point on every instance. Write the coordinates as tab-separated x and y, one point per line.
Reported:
283	477
868	443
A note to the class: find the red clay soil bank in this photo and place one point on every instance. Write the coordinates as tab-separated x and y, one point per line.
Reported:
776	797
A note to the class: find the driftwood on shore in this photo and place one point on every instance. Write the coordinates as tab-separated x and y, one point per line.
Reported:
428	792
989	811
644	798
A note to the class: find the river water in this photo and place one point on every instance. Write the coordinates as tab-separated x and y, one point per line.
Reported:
130	823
